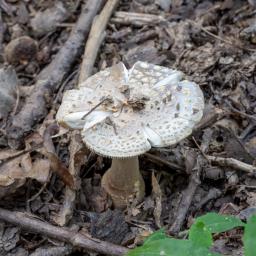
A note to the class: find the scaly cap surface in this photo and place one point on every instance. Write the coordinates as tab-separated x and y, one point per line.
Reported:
123	113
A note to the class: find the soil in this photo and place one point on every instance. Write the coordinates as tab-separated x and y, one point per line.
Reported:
212	42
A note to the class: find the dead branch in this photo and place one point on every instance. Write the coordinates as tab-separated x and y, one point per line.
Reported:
50	78
232	163
95	39
76	239
77	148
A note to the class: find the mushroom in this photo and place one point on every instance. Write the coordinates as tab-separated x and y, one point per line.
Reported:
123	113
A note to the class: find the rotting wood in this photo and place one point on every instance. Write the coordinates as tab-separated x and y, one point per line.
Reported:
50	78
92	47
29	223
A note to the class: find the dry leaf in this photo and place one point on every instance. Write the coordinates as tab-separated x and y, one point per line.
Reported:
23	167
13	173
49	151
58	167
157	193
16	166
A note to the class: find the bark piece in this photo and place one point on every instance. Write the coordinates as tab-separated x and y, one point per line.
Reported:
110	226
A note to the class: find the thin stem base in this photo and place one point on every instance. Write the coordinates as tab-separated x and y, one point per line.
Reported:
123	182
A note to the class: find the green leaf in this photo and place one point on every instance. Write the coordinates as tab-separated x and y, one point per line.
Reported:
217	223
249	238
166	246
171	247
160	234
200	238
200	235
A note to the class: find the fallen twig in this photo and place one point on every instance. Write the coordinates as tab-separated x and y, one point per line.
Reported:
76	239
159	160
50	78
233	163
19	153
139	19
186	200
252	117
95	39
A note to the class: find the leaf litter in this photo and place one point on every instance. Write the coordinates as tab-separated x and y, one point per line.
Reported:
211	42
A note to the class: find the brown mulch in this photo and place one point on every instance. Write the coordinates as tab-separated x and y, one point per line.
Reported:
213	170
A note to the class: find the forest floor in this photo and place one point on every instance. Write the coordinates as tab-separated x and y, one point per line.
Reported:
55	180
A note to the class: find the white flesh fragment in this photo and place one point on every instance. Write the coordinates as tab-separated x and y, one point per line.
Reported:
76	120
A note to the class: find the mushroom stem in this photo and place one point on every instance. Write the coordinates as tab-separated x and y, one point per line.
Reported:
123	182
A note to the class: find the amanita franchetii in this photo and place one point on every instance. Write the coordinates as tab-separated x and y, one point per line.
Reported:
123	113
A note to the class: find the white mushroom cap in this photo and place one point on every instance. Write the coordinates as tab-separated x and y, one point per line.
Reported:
147	106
